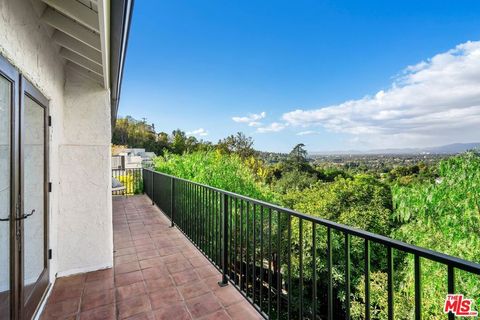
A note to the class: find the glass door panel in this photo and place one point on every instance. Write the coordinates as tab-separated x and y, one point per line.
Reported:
34	255
5	194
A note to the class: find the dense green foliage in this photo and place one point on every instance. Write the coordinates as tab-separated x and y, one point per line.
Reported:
448	208
223	171
444	216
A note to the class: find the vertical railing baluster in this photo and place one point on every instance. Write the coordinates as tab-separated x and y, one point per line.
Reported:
182	204
215	215
214	227
197	215
254	256
191	221
218	204
190	205
179	200
231	235
247	238
172	202
314	271
188	210
278	267
185	208
367	279
269	261
235	256
391	312
418	288
261	257
224	281
347	276
192	212
202	219
205	222
330	273
210	225
289	265
153	188
451	286
300	234
241	280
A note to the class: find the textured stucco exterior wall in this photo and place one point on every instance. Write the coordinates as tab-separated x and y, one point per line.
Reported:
85	217
80	203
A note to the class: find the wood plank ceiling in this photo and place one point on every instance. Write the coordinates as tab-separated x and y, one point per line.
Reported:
78	27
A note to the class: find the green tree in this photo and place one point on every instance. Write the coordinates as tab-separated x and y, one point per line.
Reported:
294	180
239	144
298	155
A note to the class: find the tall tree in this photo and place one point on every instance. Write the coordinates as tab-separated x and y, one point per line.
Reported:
239	144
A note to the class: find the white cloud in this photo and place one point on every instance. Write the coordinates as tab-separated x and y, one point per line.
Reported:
433	102
272	127
252	119
199	132
306	133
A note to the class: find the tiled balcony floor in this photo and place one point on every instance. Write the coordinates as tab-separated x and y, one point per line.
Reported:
157	274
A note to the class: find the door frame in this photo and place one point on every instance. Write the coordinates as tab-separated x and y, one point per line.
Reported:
11	74
19	88
29	305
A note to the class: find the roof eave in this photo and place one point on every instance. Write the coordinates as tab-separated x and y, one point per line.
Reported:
120	19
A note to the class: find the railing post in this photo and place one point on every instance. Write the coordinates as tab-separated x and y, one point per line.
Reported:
153	177
451	286
224	281
172	201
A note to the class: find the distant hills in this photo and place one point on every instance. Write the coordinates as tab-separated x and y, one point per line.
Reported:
453	148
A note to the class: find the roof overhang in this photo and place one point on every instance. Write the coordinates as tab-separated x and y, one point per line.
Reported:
121	14
92	36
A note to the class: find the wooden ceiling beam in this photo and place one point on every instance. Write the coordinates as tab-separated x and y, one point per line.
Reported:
77	11
72	28
78	59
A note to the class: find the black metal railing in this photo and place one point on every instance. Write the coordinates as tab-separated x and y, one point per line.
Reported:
131	179
291	265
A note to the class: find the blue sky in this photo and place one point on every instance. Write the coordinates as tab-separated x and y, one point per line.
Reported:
331	74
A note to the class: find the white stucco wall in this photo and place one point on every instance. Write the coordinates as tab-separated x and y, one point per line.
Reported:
79	151
85	236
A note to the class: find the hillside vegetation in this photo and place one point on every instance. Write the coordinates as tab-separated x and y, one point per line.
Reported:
435	205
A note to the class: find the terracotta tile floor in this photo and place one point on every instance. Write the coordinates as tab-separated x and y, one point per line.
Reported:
157	274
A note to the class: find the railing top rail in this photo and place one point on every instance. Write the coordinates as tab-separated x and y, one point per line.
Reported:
456	262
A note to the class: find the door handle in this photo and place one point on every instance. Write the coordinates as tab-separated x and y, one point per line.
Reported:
25	216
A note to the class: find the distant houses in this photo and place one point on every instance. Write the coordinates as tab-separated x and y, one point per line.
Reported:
131	158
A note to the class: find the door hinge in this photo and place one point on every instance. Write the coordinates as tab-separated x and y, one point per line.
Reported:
49	187
49	121
49	254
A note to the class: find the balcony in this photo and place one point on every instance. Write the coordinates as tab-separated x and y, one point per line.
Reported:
158	274
190	251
